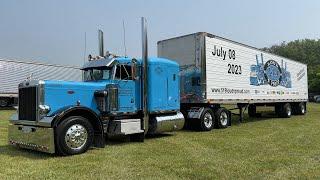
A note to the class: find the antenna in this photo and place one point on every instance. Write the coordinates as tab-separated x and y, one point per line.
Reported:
124	38
85	47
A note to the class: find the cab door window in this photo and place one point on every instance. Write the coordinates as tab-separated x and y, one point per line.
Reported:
123	72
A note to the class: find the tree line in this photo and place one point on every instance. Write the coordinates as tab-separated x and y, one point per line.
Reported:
306	51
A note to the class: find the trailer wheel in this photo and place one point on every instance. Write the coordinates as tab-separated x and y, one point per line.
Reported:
252	110
207	120
4	102
286	110
74	135
301	108
278	109
222	116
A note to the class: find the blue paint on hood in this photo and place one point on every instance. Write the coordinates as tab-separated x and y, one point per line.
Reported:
59	94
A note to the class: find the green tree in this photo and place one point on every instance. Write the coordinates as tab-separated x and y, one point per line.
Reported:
305	51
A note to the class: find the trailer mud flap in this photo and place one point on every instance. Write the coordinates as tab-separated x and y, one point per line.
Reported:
30	137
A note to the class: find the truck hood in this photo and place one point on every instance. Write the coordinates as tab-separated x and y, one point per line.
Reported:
59	94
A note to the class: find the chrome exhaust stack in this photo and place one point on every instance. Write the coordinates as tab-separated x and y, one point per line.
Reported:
100	38
145	74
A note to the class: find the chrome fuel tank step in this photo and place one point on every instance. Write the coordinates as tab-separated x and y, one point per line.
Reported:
166	123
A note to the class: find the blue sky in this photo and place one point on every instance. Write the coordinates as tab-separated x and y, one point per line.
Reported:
53	31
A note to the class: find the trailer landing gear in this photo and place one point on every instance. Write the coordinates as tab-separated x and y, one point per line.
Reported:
242	108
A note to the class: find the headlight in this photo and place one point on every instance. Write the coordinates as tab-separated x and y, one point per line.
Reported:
44	109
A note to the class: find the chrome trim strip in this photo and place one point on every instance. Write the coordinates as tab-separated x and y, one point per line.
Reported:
43	122
30	137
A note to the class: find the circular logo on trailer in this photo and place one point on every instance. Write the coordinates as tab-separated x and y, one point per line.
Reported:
272	73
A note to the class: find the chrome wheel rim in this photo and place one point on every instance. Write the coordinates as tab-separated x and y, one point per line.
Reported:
289	111
302	109
208	120
224	118
76	137
3	103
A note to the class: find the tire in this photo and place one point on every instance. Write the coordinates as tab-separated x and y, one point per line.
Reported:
278	109
187	121
137	137
286	111
301	109
222	118
67	137
252	110
207	120
4	102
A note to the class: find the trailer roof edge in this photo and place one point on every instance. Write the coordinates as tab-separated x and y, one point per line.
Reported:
38	63
229	40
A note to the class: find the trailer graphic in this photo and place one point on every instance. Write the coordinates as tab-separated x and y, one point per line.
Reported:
269	73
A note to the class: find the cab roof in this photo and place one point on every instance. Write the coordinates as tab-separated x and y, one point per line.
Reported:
106	62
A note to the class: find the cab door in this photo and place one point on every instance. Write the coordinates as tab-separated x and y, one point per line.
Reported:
127	88
173	93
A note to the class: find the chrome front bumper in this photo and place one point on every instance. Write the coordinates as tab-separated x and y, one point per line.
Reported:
32	137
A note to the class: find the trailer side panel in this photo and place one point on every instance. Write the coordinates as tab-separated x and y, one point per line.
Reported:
12	73
237	73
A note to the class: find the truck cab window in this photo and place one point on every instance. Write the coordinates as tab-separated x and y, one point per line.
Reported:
95	74
123	72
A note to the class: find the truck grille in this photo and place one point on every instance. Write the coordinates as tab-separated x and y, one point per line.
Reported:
28	103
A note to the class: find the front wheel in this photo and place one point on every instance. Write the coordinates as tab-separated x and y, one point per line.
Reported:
74	135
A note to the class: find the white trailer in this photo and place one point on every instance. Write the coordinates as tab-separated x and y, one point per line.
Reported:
13	72
215	71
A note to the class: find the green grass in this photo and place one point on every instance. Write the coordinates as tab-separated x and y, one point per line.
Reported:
262	148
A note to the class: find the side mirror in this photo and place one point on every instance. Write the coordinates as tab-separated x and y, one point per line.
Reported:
134	69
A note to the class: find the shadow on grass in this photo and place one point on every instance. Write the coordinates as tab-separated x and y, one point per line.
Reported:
123	140
158	136
264	116
12	151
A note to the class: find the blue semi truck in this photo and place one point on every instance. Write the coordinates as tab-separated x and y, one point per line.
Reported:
118	96
135	97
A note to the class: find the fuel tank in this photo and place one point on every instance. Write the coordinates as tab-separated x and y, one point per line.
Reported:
166	123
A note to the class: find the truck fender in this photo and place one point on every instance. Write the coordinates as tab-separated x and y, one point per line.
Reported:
94	119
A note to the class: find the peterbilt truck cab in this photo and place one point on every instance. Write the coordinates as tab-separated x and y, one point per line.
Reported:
118	96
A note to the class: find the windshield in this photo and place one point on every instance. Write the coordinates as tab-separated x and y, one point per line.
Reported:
95	74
